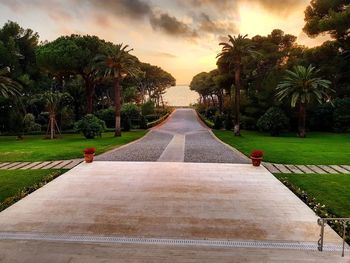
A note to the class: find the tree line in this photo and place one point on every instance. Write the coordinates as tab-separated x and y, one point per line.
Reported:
61	81
272	84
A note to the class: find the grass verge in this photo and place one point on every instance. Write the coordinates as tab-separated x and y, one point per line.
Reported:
317	148
16	184
328	195
36	148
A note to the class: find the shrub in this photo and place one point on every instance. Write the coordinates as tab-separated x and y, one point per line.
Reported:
147	108
257	154
321	117
67	118
341	115
217	122
274	121
248	123
228	123
29	123
129	112
143	122
108	116
211	112
90	126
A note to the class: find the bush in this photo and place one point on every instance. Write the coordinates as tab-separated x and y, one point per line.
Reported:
107	115
248	123
321	117
147	108
90	126
274	121
228	123
29	123
341	115
129	112
67	118
210	113
143	123
217	122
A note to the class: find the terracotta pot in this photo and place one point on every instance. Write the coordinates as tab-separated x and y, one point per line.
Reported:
256	160
89	157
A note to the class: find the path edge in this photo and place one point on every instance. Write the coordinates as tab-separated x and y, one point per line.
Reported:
220	141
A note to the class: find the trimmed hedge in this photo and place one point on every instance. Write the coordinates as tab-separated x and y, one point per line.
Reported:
206	121
156	122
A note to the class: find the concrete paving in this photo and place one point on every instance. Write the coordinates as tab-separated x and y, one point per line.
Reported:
163	200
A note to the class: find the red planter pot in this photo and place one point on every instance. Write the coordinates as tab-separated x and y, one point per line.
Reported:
256	160
89	157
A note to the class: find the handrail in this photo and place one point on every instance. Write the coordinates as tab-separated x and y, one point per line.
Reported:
321	222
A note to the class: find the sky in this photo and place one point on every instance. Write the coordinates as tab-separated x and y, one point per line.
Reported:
181	36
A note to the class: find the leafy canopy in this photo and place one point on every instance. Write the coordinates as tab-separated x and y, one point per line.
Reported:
301	85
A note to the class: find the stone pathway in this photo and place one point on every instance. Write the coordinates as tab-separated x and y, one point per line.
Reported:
62	164
302	169
182	138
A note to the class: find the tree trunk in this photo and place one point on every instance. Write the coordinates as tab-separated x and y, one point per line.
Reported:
220	96
302	119
52	126
117	104
212	100
90	92
237	129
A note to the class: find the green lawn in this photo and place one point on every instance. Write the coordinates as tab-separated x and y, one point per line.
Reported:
316	148
12	182
36	148
331	190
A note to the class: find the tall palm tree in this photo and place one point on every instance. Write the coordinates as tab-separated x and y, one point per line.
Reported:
8	87
301	85
117	65
234	53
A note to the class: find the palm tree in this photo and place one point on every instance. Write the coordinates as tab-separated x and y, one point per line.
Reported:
8	87
55	102
233	53
301	85
117	65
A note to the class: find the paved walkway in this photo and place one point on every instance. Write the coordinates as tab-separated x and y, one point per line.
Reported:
63	164
182	138
163	212
305	169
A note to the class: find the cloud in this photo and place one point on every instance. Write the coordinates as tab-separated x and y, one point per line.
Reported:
278	6
231	6
166	55
171	25
136	9
206	24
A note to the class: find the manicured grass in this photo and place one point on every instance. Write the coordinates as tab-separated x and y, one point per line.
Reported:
316	148
12	182
36	148
331	190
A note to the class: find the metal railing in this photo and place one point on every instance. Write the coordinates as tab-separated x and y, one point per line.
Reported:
322	221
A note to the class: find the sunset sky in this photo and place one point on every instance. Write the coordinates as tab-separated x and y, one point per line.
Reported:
181	36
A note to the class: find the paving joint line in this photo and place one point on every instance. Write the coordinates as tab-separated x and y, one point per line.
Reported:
80	238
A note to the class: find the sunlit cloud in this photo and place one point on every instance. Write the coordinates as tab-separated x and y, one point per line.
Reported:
181	36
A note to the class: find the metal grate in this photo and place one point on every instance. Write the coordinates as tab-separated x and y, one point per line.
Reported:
165	241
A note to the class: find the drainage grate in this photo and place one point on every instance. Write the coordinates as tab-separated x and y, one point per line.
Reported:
162	241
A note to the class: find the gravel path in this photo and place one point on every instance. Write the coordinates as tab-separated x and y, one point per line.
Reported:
148	149
203	148
198	144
